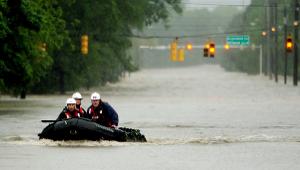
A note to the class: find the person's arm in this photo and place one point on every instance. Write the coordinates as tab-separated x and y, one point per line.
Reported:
86	113
62	115
82	112
113	115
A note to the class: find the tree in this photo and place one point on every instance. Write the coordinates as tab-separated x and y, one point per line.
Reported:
109	25
254	22
26	26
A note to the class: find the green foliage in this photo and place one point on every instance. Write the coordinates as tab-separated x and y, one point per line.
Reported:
108	25
40	41
24	25
252	22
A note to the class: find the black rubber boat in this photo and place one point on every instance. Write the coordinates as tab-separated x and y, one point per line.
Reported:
85	129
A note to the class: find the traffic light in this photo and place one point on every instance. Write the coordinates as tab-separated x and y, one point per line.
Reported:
289	44
212	49
181	54
226	46
273	29
205	52
173	51
84	44
43	46
189	46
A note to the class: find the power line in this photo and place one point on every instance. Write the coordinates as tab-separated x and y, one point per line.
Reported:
187	26
227	5
184	27
194	36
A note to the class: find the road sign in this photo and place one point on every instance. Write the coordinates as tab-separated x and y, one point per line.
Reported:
238	40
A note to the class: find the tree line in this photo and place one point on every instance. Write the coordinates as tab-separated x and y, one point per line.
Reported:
40	41
253	22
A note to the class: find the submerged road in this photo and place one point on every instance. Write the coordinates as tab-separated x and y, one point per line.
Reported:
198	117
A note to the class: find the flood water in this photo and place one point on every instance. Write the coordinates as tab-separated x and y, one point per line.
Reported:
198	117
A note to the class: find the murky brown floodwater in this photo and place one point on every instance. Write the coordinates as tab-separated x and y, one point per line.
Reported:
194	118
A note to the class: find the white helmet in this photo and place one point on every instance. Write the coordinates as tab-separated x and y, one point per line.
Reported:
77	95
95	96
70	101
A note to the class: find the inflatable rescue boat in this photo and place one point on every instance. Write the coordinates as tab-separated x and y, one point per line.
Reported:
85	129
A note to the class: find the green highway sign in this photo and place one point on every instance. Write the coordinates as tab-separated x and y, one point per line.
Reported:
238	40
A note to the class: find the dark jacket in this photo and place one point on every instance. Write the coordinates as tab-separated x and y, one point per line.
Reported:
104	114
65	114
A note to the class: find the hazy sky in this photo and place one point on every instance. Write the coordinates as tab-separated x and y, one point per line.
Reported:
197	3
219	1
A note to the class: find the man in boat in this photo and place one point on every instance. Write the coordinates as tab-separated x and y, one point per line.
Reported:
101	112
69	111
77	96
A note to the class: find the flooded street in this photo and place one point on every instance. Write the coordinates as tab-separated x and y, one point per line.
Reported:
197	117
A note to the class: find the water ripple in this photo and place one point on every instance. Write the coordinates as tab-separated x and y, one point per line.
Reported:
204	140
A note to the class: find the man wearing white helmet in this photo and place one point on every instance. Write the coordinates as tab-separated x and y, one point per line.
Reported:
69	111
101	112
77	96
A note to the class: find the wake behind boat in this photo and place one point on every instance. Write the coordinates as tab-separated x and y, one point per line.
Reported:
85	129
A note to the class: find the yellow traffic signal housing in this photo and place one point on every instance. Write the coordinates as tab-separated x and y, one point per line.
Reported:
212	49
205	52
289	44
173	51
181	54
84	44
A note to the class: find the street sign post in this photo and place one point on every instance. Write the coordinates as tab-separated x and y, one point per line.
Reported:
238	40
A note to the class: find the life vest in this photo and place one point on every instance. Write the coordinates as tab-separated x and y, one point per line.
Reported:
69	115
80	110
92	111
101	118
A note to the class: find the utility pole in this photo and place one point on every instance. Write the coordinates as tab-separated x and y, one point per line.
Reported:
265	41
285	22
263	50
276	44
269	47
272	39
260	59
296	24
